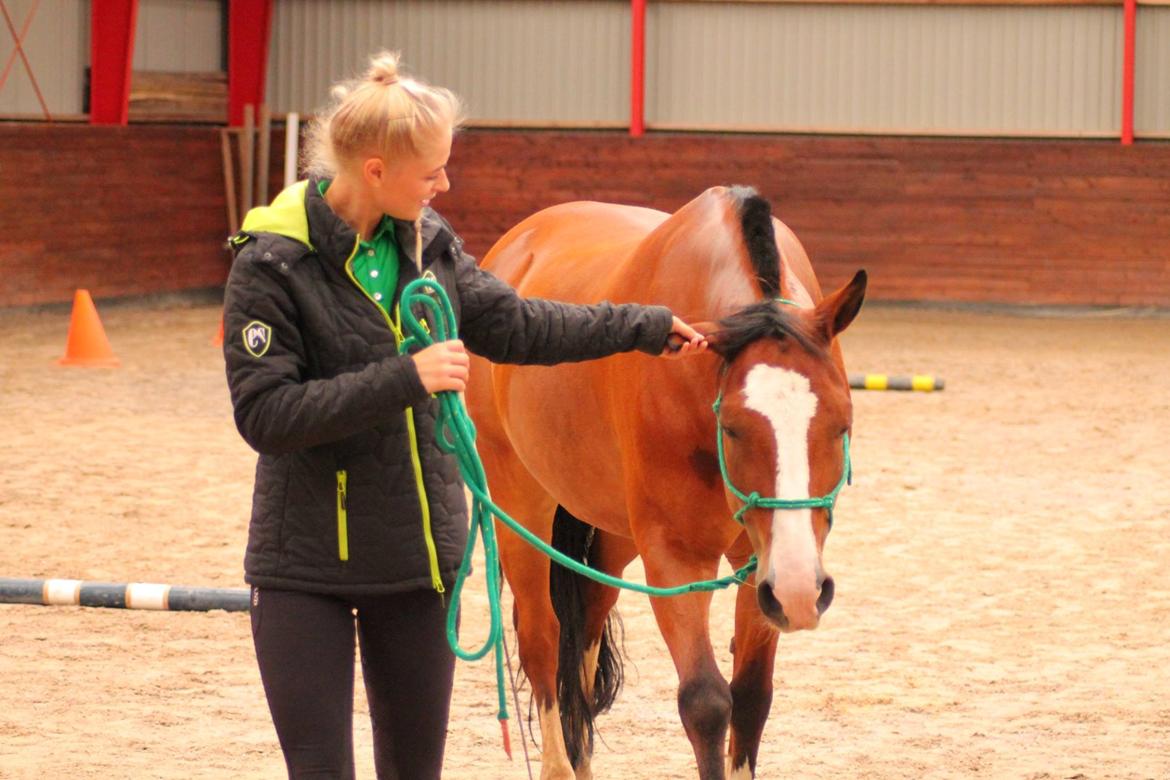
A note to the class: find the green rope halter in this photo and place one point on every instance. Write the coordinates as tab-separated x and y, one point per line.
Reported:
753	500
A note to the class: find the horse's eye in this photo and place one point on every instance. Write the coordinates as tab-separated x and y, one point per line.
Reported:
731	433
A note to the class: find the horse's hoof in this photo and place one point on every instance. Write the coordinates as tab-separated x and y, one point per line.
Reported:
743	773
557	772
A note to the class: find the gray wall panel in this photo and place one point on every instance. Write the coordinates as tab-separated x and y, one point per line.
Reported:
514	61
182	36
57	47
859	68
1152	73
846	68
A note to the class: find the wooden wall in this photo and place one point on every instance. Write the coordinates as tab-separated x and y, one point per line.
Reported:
120	211
129	211
1020	222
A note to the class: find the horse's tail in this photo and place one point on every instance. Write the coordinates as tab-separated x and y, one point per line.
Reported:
573	537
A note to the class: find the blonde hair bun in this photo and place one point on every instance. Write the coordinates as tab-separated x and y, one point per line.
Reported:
383	68
366	119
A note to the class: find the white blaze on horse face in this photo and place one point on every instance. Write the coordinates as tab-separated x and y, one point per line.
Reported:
786	399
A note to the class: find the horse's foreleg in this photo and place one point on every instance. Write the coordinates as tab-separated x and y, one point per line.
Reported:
751	681
704	699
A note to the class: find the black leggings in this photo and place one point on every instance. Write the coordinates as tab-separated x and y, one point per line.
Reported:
305	648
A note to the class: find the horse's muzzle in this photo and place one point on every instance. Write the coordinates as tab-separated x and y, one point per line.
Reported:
774	611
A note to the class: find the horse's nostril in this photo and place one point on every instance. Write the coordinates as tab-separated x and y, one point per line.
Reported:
826	597
770	606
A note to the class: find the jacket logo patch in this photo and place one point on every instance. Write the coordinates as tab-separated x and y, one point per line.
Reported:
257	338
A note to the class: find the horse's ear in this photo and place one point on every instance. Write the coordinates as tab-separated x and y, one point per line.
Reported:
838	310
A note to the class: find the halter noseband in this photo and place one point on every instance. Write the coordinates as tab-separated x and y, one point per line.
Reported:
753	500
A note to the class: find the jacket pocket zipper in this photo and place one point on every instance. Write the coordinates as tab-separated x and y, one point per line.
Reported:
342	516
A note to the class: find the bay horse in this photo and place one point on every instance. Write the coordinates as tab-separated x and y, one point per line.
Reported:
618	458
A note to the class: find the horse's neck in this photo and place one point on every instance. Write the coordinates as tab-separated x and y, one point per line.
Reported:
793	290
798	283
698	268
696	262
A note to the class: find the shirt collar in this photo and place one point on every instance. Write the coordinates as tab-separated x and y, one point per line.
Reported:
384	229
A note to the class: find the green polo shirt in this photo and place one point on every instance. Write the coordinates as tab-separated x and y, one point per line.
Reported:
375	265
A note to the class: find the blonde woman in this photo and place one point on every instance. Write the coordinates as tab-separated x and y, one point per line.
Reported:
358	519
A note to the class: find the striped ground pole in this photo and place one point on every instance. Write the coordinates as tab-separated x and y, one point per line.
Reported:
923	383
125	595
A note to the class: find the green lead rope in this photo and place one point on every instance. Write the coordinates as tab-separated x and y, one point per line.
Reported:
456	435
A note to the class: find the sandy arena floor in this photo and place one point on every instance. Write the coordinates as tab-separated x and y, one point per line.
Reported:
1001	562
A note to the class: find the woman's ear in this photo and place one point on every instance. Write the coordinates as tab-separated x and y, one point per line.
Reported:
373	170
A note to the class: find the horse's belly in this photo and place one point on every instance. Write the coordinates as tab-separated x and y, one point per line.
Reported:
557	428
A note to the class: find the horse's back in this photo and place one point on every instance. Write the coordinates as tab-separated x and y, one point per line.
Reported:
566	251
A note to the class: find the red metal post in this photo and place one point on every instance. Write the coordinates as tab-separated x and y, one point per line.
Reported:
249	28
1127	72
111	52
638	68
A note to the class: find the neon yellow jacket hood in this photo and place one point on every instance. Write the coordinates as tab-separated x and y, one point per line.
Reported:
285	216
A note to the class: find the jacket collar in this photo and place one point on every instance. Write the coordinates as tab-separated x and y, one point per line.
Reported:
334	239
328	234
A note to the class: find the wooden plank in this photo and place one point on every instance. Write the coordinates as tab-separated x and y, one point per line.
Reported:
247	139
168	96
229	179
262	162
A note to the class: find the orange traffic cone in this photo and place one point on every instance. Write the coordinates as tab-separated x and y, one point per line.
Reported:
87	344
218	340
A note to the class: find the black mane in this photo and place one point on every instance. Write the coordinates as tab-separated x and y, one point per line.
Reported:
755	219
766	319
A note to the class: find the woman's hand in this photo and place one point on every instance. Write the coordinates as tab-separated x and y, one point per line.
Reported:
443	366
683	340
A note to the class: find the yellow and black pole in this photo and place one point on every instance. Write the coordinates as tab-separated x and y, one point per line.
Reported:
923	383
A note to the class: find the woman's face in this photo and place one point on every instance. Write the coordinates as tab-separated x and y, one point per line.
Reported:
407	186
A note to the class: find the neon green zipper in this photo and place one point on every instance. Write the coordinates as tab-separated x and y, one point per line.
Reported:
342	516
416	461
415	458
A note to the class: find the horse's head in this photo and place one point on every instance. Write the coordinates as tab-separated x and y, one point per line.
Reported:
784	415
784	411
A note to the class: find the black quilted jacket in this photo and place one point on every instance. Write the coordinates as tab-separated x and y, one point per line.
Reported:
352	494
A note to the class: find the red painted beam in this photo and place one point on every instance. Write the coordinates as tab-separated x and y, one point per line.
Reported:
111	52
638	68
1127	63
249	32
